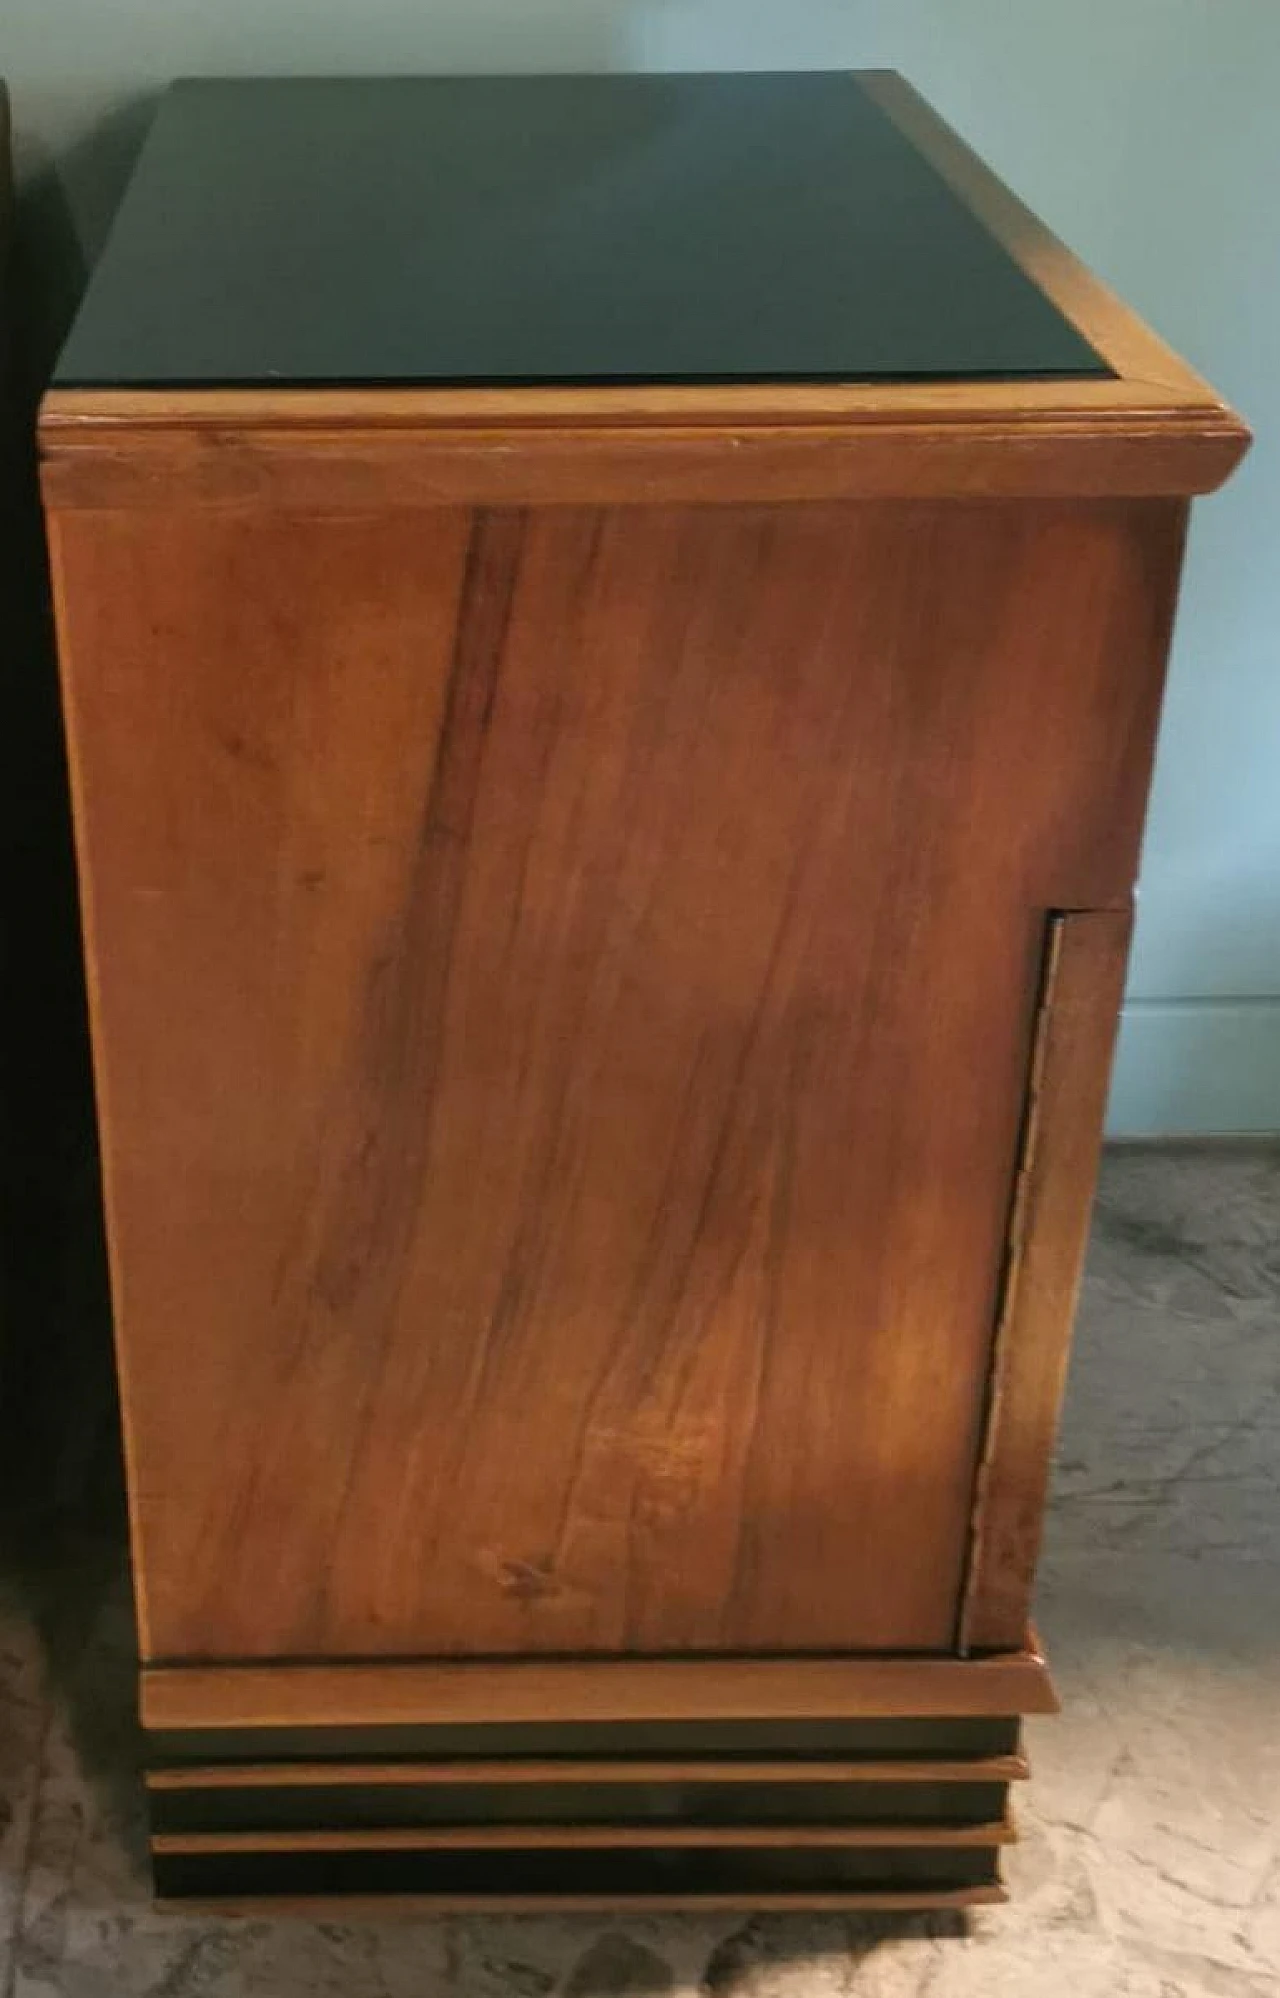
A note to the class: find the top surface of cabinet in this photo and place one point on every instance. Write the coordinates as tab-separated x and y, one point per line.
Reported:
575	229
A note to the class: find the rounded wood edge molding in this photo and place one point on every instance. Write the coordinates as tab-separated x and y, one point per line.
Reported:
76	416
1020	453
178	1697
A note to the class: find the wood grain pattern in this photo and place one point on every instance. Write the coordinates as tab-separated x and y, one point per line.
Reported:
279	935
97	455
1084	982
547	1689
598	914
566	879
73	417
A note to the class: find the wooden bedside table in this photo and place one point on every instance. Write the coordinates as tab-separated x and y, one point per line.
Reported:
612	633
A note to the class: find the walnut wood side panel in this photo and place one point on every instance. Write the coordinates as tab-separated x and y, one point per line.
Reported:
563	984
1084	982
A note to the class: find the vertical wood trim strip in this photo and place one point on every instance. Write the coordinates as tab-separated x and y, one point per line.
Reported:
1085	958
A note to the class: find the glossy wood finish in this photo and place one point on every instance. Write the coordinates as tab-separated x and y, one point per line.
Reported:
1084	982
478	1692
566	893
104	451
606	912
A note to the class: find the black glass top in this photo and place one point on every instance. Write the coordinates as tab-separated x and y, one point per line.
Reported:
549	229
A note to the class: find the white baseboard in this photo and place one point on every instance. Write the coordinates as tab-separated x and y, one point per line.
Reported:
1196	1066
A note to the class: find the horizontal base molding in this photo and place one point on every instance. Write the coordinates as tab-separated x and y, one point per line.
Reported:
440	1787
614	1690
462	1775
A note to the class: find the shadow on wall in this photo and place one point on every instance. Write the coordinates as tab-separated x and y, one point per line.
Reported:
56	238
54	1313
54	1316
54	1319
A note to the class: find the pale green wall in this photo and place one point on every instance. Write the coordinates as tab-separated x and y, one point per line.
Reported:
1146	131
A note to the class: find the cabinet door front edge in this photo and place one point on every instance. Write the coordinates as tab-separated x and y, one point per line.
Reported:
1086	952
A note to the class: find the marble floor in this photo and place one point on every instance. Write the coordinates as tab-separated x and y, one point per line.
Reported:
1150	1862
